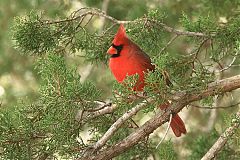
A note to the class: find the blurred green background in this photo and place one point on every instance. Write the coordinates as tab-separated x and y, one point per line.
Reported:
18	79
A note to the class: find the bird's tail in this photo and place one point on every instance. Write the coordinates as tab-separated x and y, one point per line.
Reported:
176	124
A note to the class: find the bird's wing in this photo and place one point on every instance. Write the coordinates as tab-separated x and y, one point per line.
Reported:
146	64
144	59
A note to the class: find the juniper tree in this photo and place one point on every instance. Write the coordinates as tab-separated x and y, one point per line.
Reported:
53	125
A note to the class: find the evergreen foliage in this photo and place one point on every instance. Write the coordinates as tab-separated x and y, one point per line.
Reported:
53	124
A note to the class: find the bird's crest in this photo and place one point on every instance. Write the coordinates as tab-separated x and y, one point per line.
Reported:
120	36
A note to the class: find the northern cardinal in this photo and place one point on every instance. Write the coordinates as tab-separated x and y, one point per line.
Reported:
128	59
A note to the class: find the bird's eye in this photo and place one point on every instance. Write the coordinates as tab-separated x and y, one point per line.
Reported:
117	47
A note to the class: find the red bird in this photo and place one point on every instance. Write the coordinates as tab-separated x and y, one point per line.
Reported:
127	58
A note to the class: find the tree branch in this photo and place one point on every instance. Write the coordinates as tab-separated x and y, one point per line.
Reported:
218	107
118	124
103	108
83	12
218	87
222	140
231	63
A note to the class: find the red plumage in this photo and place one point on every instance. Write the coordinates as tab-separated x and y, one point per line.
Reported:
127	58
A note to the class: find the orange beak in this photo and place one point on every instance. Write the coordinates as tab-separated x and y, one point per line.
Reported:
112	50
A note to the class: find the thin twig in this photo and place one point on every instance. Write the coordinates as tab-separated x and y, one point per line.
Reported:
101	104
230	64
178	32
165	134
33	137
136	125
219	107
107	110
195	57
88	21
169	42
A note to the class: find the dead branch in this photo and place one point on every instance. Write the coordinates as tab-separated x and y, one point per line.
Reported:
222	140
215	88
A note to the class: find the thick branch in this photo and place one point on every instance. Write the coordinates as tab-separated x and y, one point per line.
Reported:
222	140
214	88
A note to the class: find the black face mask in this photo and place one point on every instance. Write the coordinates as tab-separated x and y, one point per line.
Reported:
118	48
